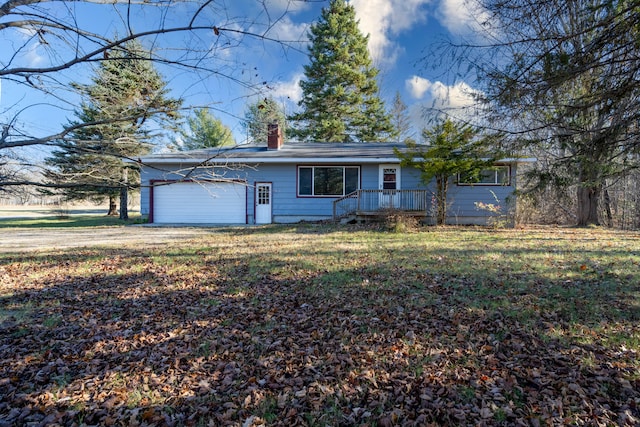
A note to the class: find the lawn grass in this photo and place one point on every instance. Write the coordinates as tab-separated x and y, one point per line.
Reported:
326	325
74	221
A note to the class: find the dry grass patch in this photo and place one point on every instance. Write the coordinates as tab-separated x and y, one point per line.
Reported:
322	325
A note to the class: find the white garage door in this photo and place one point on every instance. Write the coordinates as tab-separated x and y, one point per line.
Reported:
200	203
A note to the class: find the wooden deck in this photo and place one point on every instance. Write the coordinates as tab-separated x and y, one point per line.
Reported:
371	204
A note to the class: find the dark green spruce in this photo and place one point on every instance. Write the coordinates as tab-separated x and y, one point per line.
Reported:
124	109
340	97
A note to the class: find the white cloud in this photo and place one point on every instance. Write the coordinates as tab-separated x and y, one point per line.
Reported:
418	86
31	47
382	19
286	30
290	90
456	96
436	98
462	16
460	95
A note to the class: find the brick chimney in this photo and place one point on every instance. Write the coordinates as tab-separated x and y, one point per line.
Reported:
274	136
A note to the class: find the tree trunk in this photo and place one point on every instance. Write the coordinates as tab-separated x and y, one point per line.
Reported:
113	207
607	206
637	200
588	205
441	199
124	195
589	191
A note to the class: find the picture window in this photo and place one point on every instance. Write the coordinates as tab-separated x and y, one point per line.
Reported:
327	180
498	175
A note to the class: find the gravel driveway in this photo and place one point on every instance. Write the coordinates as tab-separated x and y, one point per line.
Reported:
25	240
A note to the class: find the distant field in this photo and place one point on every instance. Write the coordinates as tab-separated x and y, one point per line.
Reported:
56	217
38	211
324	325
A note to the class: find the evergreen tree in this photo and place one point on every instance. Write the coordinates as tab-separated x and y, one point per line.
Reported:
400	120
111	125
340	101
259	115
451	148
205	131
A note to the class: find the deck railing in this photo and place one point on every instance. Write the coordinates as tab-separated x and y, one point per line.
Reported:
368	202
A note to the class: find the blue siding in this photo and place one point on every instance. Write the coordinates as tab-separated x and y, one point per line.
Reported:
369	177
410	179
288	207
462	199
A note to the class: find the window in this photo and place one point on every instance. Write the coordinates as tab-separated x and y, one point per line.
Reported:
327	180
498	175
264	195
389	178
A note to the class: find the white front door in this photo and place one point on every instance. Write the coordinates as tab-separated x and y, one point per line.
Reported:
389	182
263	203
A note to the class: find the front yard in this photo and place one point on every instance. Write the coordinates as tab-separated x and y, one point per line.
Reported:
321	325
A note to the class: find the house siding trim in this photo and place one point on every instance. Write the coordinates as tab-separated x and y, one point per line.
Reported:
221	161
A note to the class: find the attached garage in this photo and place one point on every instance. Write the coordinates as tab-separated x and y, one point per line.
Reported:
199	203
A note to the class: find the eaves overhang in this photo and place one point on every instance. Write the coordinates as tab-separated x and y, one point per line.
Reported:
212	161
295	153
254	160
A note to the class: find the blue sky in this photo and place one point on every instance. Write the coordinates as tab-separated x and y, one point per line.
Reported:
248	68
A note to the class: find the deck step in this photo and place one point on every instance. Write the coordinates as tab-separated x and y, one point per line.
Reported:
349	219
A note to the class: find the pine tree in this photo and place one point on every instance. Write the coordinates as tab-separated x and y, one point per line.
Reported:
205	131
258	117
451	148
401	121
112	124
340	101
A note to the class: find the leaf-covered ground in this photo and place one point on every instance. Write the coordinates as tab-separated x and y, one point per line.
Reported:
315	325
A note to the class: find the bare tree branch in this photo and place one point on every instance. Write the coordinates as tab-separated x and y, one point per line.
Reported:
53	48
